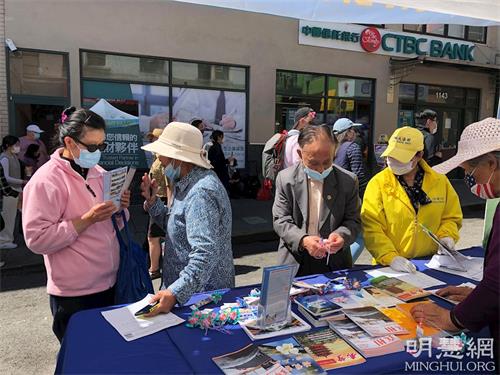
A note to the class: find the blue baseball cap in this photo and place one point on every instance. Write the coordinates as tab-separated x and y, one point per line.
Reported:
343	124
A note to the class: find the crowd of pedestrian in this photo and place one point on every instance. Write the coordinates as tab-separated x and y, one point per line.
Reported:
324	203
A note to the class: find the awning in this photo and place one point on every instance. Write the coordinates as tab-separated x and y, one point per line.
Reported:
461	12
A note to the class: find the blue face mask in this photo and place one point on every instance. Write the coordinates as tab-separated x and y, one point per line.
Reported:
88	159
173	173
316	175
37	135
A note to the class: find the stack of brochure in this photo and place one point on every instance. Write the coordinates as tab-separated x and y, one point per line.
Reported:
398	288
367	345
374	322
328	349
401	314
278	357
317	309
253	329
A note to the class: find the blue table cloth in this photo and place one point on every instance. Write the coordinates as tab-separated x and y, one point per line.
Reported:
91	345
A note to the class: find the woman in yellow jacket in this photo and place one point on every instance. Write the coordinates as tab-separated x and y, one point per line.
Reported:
403	196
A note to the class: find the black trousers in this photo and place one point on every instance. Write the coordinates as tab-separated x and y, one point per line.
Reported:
63	307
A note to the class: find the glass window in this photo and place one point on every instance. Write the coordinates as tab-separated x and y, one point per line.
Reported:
477	34
456	31
126	68
472	98
299	83
349	87
415	28
38	73
436	29
407	92
208	75
441	95
286	105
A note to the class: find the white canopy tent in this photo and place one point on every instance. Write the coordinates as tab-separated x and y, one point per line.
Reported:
108	112
461	12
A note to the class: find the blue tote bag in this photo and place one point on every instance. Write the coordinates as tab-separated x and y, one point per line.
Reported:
132	282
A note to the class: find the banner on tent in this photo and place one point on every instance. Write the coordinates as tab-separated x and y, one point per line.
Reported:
384	42
124	147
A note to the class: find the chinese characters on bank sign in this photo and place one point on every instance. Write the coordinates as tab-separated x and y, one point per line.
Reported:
371	40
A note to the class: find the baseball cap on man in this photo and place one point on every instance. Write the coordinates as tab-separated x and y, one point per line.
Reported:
404	143
34	128
301	113
343	124
427	114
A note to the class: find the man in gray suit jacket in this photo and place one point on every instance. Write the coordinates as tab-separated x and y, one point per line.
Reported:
316	208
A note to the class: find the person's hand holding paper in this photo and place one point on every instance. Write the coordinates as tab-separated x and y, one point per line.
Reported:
125	200
403	265
448	242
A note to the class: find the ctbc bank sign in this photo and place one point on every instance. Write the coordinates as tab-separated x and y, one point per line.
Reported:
380	41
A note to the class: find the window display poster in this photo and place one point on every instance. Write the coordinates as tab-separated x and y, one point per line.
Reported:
405	118
148	103
219	110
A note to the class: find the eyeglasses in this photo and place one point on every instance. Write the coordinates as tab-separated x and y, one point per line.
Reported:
93	148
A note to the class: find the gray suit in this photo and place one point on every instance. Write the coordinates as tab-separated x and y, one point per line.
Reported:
340	213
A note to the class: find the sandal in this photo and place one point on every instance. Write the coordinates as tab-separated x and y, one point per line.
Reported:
155	274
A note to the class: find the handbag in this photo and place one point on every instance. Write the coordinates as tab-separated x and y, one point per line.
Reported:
132	282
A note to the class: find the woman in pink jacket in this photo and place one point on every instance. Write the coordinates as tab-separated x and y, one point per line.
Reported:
66	220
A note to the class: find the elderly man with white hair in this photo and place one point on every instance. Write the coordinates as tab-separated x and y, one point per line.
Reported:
198	254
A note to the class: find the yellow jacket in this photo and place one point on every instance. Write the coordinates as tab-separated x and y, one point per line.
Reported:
390	224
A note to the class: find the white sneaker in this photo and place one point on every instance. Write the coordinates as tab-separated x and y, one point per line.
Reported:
8	245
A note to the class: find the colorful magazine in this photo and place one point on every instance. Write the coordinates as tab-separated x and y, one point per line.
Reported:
249	361
398	288
328	349
401	314
291	356
350	299
321	321
368	346
318	305
383	299
373	322
253	330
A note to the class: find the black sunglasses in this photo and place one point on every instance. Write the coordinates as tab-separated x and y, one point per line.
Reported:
93	148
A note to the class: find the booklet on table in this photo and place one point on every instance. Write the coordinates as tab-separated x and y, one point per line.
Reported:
398	288
367	345
374	322
328	349
255	332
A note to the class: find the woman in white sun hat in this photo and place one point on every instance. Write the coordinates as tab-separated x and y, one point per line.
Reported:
198	254
479	155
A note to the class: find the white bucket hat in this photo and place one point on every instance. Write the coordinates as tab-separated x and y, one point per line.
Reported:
183	142
477	139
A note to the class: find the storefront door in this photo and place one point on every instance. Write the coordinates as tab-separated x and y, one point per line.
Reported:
43	112
450	123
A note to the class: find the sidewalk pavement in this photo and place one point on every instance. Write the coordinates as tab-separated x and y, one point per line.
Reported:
252	221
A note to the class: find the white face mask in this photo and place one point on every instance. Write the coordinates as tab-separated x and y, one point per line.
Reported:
16	149
434	131
398	168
